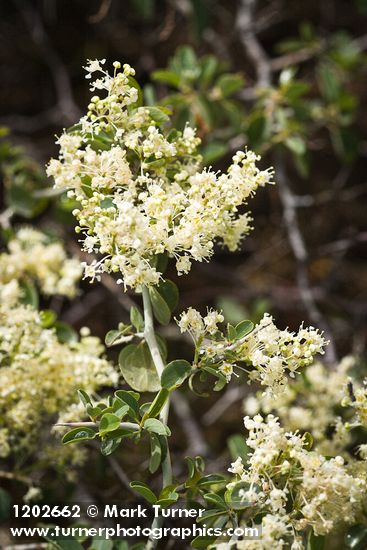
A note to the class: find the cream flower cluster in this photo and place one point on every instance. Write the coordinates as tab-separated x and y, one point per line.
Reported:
281	469
39	375
322	389
275	352
32	254
141	188
272	352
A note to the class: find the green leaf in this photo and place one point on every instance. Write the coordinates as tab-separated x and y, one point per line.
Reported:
307	441
138	369
228	84
157	405
169	492
328	82
158	114
94	412
175	374
212	514
256	130
120	408
238	447
144	491
202	542
215	499
65	333
231	332
318	543
169	292
166	77
164	299
84	398
48	317
209	66
155	453
79	434
109	422
22	201
296	144
161	310
130	398
29	294
212	479
136	319
114	337
214	151
243	328
186	57
156	426
108	445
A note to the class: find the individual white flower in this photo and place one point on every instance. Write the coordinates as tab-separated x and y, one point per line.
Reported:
237	467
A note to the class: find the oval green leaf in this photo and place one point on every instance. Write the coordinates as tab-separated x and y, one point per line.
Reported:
138	369
175	374
78	434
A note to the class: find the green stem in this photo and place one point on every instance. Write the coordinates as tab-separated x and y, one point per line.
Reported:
151	340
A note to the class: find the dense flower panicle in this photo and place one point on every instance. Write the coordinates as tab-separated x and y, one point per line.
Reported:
281	469
141	188
272	352
39	375
322	389
32	254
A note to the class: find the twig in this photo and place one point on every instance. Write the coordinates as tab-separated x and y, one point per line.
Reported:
35	546
66	104
151	341
227	400
300	253
263	65
245	24
197	444
120	474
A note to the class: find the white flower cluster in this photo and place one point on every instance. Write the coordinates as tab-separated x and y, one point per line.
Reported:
141	189
321	389
39	376
275	352
32	254
272	352
281	469
197	326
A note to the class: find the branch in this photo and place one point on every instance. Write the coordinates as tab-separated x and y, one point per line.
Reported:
197	444
263	65
300	253
66	104
151	340
253	48
224	402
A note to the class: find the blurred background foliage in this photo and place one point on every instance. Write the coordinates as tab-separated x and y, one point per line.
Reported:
287	79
